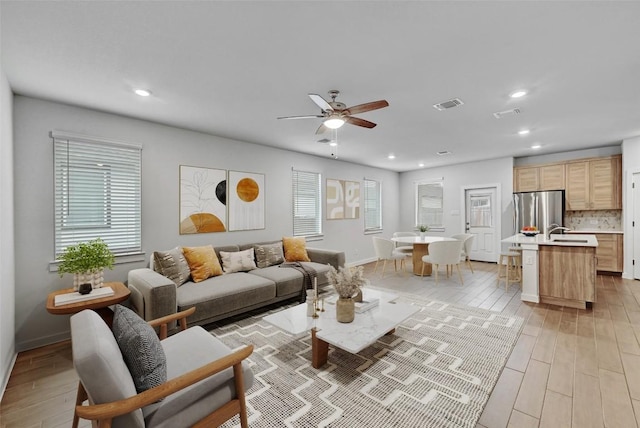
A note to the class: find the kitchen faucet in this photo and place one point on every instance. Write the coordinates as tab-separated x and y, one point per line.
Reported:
555	227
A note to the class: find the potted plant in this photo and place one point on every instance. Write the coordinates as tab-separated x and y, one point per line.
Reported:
423	228
86	261
347	283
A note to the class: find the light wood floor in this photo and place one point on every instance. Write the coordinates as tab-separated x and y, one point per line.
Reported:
569	368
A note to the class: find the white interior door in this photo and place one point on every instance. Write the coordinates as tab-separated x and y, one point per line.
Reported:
636	224
481	221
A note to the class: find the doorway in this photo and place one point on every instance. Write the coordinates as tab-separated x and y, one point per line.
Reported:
481	220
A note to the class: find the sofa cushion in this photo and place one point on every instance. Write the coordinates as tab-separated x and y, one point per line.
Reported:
188	406
295	249
172	264
140	349
203	262
289	280
238	261
269	254
224	294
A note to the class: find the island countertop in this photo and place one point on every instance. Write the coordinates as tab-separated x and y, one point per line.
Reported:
565	240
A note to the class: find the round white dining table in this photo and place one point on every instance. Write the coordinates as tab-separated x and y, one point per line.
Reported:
420	248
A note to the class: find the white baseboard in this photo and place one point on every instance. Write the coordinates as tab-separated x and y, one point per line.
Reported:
6	374
530	298
361	262
43	341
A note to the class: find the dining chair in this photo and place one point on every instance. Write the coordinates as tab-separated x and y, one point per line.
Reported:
403	247
467	239
445	253
385	250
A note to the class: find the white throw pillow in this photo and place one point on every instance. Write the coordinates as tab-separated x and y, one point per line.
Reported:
239	261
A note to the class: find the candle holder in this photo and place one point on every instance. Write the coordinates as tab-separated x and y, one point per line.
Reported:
315	308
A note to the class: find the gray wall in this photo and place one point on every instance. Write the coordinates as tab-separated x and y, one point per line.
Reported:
164	149
7	282
496	172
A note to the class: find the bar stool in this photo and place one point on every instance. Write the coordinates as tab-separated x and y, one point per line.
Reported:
509	268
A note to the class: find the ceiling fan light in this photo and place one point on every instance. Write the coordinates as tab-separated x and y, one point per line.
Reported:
334	122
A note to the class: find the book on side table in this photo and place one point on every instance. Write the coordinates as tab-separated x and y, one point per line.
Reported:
365	305
65	299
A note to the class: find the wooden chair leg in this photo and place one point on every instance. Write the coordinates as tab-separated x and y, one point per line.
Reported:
80	397
460	274
375	268
436	267
384	266
422	271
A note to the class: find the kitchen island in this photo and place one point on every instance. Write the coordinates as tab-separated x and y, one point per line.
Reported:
559	270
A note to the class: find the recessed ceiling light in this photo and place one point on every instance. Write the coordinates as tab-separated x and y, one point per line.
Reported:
391	156
421	165
333	144
519	93
142	92
536	146
523	132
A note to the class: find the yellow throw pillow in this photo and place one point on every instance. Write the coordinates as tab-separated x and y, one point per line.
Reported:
295	249
203	262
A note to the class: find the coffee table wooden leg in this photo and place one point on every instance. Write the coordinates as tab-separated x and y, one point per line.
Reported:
319	351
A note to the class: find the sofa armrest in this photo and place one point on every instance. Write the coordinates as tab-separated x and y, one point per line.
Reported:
152	295
332	257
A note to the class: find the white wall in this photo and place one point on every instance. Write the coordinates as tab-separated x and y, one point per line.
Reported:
164	149
7	276
630	165
456	178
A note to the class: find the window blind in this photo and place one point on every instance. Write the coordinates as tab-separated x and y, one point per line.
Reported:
372	205
97	194
307	215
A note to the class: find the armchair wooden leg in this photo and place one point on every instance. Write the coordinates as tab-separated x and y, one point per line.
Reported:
239	380
80	397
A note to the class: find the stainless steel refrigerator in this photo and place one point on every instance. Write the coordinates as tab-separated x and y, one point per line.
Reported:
539	209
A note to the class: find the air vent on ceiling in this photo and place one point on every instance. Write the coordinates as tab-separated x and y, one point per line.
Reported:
448	104
501	114
324	141
443	153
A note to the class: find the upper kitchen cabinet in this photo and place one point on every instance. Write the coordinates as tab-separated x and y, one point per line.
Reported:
534	178
594	184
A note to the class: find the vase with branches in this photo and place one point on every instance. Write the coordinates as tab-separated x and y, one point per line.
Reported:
347	283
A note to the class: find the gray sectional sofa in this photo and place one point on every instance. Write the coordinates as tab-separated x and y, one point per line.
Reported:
154	295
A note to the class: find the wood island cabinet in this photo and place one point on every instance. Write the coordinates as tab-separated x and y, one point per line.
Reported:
594	184
567	275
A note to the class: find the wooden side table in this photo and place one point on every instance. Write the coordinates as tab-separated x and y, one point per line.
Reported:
100	304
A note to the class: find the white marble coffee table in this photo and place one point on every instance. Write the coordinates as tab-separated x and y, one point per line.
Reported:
366	328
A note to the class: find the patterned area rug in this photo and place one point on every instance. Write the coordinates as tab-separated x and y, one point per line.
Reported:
437	370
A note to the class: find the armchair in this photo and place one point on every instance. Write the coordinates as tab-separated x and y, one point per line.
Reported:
205	386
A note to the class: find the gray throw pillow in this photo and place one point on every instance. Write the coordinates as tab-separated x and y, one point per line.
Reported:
141	349
172	264
269	254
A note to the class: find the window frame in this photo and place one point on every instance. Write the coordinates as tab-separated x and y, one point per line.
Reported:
309	226
377	199
119	220
433	226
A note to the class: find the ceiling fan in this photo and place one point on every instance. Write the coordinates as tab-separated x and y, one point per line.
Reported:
336	114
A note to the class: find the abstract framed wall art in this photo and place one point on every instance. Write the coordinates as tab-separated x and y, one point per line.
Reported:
203	200
335	199
246	201
351	199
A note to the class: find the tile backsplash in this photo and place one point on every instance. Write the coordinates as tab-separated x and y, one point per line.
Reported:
594	220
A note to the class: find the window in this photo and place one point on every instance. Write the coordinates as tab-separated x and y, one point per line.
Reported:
480	211
372	205
97	193
307	217
429	204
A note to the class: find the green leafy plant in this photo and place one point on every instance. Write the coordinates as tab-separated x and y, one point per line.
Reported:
86	257
423	228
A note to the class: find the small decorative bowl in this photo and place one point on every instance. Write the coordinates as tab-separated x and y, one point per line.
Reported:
529	232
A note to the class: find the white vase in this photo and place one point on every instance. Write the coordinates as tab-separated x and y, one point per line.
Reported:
96	279
422	235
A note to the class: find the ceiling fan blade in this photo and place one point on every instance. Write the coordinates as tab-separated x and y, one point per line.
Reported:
309	116
320	102
322	129
361	108
359	122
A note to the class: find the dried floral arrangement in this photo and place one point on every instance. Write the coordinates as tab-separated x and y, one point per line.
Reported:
346	281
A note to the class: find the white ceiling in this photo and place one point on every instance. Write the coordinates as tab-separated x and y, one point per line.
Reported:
230	68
